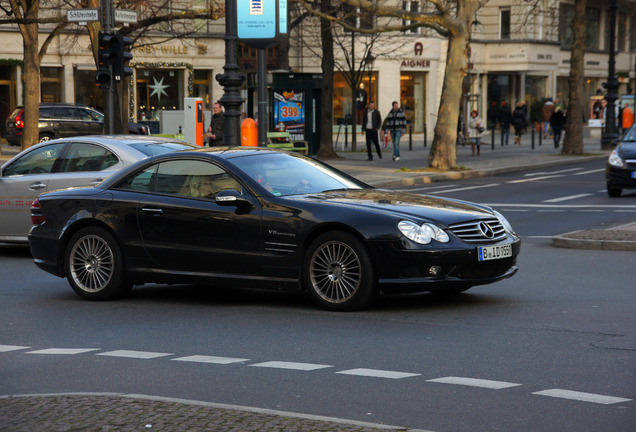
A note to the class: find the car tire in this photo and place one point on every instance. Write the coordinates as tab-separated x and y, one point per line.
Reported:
94	265
339	273
45	138
614	192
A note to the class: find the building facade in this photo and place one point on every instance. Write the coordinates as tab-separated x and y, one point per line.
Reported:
519	51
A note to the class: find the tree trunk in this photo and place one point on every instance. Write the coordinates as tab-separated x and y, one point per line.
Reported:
443	154
31	73
573	142
326	149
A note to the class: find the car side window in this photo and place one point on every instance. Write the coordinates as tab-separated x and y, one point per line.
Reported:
188	178
37	161
87	157
90	115
47	113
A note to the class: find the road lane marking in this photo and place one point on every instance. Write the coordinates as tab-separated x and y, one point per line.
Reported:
567	206
566	198
291	365
211	359
591	172
377	373
146	355
63	351
580	396
553	172
7	348
425	188
465	188
534	179
473	382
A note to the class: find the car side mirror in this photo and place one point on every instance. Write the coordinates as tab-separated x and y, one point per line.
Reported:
231	197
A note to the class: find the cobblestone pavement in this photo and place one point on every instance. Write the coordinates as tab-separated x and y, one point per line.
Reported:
134	413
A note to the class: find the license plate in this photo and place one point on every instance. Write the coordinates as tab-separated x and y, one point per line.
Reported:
494	252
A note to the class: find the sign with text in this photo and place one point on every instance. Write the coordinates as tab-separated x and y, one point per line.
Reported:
259	22
289	113
82	15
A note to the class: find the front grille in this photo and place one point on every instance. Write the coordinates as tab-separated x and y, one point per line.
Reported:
479	231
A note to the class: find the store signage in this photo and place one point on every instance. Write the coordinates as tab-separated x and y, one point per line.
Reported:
416	63
163	49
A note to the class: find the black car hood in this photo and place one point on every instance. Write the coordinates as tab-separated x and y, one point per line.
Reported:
401	204
627	149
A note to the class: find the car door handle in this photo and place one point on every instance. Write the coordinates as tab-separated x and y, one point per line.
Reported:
37	186
153	211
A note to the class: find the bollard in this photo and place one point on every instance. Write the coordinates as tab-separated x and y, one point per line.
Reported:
346	142
540	134
424	135
532	136
410	138
492	139
502	137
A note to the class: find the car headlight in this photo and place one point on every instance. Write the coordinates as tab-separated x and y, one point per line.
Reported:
504	222
424	233
615	160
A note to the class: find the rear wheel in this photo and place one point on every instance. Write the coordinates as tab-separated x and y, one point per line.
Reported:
339	273
46	137
94	265
614	192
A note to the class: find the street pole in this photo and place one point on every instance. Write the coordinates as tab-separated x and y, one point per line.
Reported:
231	80
261	83
611	134
108	21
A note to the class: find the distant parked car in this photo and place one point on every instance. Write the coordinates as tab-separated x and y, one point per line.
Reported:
62	120
620	170
63	163
250	216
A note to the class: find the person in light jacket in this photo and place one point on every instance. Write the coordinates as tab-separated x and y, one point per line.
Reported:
476	127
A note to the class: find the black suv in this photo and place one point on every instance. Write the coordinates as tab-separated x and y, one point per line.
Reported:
61	120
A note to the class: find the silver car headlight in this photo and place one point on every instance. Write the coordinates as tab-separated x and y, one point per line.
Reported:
504	222
615	160
422	234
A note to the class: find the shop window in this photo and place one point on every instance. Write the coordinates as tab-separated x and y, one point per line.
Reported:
201	82
51	84
158	90
413	99
86	92
504	23
342	103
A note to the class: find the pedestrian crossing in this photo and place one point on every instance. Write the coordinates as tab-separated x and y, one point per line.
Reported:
361	372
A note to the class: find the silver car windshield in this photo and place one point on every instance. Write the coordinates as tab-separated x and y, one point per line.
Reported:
283	174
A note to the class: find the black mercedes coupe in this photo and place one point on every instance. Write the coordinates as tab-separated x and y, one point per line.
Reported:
255	217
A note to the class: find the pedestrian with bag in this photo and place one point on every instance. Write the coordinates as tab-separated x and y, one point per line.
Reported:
476	128
395	124
372	122
519	121
557	123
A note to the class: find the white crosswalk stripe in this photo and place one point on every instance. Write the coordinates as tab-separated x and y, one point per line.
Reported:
580	396
63	351
211	359
7	348
291	365
133	354
473	382
376	373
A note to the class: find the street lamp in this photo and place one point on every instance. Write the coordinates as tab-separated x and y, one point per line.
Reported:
231	80
611	133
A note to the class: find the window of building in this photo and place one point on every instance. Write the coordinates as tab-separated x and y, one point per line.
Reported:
158	90
342	103
592	28
504	23
411	6
632	34
566	17
357	17
413	99
201	87
621	33
51	84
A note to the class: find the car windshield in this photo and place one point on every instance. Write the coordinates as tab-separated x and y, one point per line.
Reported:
630	135
283	174
152	149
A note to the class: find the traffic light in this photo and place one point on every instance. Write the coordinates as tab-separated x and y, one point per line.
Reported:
104	55
122	57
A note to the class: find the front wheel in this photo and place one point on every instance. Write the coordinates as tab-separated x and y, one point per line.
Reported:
338	272
94	265
614	192
46	137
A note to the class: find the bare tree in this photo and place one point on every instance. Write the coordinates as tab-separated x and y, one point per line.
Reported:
573	142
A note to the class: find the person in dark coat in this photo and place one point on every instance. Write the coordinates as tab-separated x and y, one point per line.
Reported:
504	118
519	121
557	123
215	131
371	123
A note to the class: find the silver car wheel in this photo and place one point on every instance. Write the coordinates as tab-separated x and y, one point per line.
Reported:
91	263
335	272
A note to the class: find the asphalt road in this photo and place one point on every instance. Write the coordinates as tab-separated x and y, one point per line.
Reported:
551	349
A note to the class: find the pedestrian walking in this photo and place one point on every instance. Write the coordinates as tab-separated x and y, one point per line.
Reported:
476	127
395	124
519	121
371	124
548	110
557	123
504	120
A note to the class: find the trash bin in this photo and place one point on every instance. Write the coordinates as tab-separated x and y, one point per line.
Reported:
249	133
